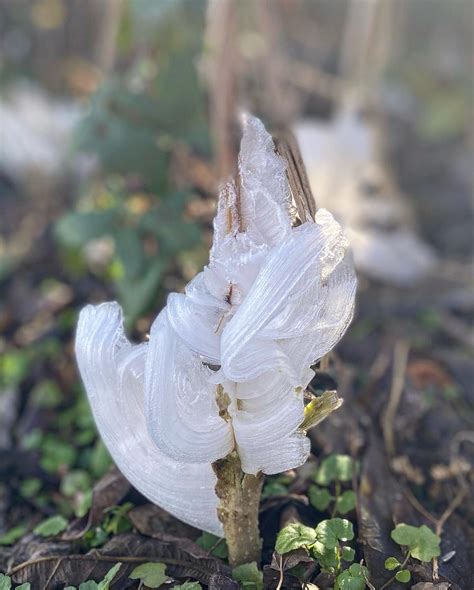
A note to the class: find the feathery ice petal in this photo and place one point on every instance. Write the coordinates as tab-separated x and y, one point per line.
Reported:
197	325
266	425
113	374
302	300
180	403
264	190
258	206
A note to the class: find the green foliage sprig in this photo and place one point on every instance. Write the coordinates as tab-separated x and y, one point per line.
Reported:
421	543
326	544
333	472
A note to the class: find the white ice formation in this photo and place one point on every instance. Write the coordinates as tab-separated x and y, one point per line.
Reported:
227	362
35	131
342	159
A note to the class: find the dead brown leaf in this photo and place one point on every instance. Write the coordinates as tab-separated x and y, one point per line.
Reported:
108	491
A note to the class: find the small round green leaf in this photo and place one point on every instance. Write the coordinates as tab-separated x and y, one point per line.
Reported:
5	582
348	553
358	570
152	574
249	576
188	586
320	498
350	580
215	545
328	558
330	532
294	536
334	468
422	542
391	563
346	502
403	576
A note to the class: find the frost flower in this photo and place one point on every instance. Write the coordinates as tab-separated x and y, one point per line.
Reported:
228	361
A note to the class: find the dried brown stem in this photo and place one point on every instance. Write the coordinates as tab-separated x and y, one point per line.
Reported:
400	359
239	495
287	147
221	73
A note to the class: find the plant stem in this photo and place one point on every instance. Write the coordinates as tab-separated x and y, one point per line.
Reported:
338	493
239	495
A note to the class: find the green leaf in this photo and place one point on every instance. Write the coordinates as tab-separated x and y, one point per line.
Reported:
116	519
403	576
100	460
75	481
345	581
216	545
56	454
32	440
294	536
14	366
422	542
74	230
334	468
84	504
346	502
249	576
348	553
188	586
46	394
137	297
330	532
352	578
319	409
30	486
89	585
320	498
357	570
152	574
391	563
25	586
176	235
274	488
51	526
129	249
122	129
328	558
13	535
109	576
5	582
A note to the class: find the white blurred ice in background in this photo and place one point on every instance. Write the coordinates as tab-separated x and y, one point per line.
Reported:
347	176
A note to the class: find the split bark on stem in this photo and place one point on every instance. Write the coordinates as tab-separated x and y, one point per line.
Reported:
239	495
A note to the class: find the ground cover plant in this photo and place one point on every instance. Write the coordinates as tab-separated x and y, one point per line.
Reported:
376	495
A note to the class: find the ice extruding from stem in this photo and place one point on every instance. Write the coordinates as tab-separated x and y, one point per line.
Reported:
113	373
227	361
